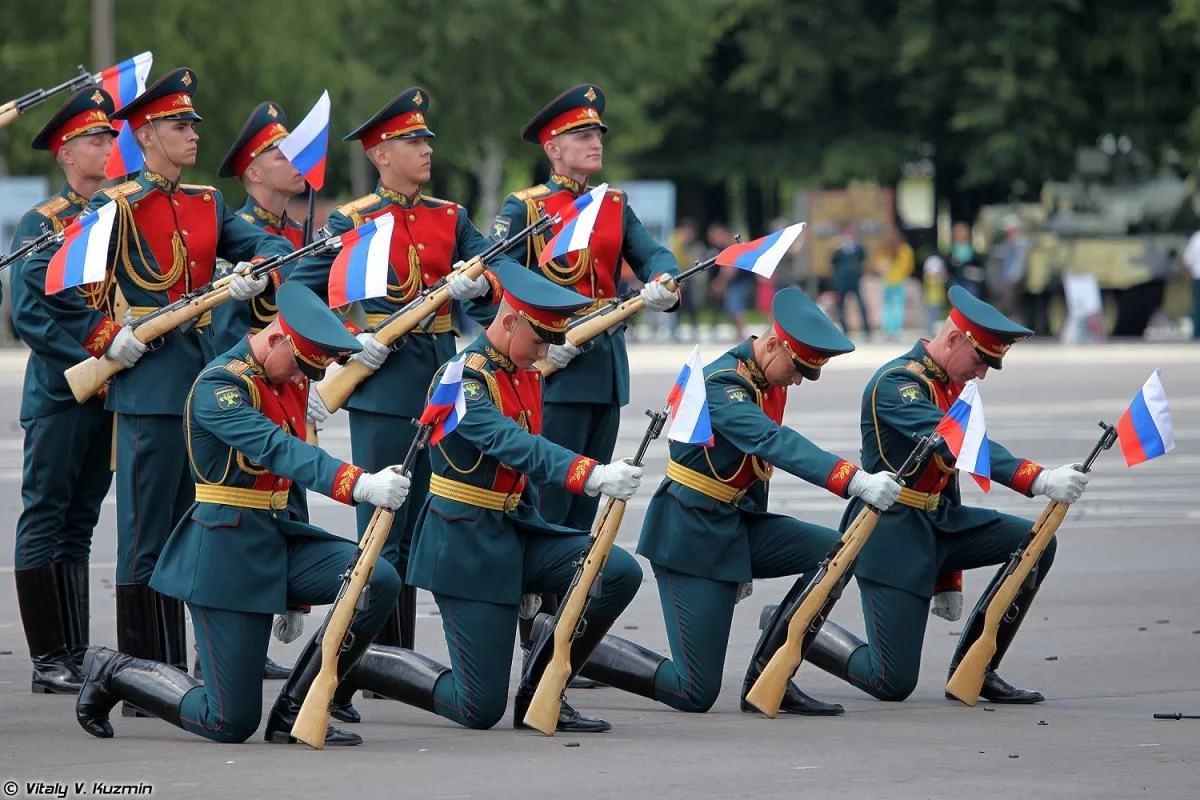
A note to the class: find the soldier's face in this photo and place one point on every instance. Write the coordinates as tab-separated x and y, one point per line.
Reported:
779	369
176	138
280	363
526	347
410	160
276	172
88	154
581	152
964	363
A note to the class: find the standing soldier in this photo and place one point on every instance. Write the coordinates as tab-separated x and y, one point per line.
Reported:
239	555
919	550
165	241
584	398
67	445
480	541
429	237
707	531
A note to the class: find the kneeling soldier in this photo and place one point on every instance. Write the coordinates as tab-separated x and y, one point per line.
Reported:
239	555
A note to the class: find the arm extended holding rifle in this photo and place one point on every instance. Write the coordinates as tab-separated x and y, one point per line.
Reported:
547	698
15	108
337	388
968	677
313	720
36	246
818	598
88	377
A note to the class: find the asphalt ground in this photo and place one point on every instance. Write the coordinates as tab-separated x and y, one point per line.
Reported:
1114	638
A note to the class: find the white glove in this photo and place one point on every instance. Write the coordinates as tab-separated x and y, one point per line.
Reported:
125	349
243	287
619	479
657	296
463	288
878	489
530	604
384	489
744	590
561	354
317	411
947	605
373	354
1065	484
289	626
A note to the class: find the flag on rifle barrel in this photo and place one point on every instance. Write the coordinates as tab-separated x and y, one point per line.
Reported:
578	219
689	405
361	267
124	82
308	143
761	256
1145	430
965	433
447	405
83	257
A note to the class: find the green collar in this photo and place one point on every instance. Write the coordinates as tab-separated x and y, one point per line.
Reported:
567	183
154	179
73	197
404	201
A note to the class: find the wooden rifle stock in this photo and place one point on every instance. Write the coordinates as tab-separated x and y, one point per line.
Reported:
967	680
547	698
8	113
768	691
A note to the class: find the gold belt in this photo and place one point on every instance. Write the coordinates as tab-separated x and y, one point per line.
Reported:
261	499
137	312
440	324
711	487
472	495
919	500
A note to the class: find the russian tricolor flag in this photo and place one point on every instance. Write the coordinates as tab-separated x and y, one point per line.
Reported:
579	219
1145	430
361	268
447	405
761	256
965	433
124	82
308	143
689	404
83	256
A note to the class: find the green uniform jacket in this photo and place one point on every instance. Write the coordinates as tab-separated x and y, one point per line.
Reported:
600	374
430	235
908	395
691	532
165	241
239	435
463	550
55	327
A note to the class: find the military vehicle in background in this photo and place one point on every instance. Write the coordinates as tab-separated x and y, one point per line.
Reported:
1121	218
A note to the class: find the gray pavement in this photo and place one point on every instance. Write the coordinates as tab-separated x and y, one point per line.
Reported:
1114	638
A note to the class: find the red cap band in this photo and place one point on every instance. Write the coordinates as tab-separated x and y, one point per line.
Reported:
982	339
162	107
394	128
801	353
78	125
258	144
569	120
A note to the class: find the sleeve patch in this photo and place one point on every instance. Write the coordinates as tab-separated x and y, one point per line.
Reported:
736	394
910	392
501	227
228	397
473	390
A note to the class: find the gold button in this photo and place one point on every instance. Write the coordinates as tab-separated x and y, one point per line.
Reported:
192	264
412	217
135	206
176	202
426	274
207	198
185	233
450	211
600	293
420	246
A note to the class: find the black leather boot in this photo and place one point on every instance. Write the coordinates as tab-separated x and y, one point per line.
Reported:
399	674
155	688
392	634
173	632
291	697
341	707
44	620
624	665
773	636
139	633
995	689
73	591
569	720
832	648
274	671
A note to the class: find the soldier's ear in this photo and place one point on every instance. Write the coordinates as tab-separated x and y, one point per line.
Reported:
552	150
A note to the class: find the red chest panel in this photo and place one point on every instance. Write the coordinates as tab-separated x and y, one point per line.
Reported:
286	406
521	401
773	401
422	248
293	235
161	218
603	256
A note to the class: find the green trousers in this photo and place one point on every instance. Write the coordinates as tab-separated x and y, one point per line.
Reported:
232	644
589	429
378	441
480	635
64	480
895	619
698	611
154	489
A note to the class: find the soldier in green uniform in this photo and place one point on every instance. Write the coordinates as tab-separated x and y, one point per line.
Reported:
480	541
930	533
66	472
165	241
707	532
585	396
239	555
429	238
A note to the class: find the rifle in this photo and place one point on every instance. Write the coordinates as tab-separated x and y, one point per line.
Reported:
311	427
89	376
36	246
568	620
313	720
15	108
968	676
336	389
608	316
1177	715
818	598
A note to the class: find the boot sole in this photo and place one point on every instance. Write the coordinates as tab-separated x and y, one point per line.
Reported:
278	737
